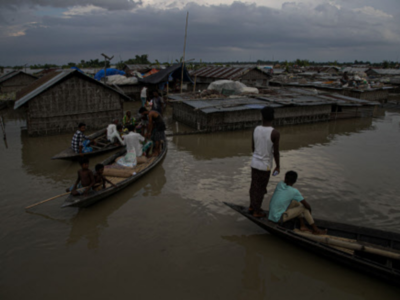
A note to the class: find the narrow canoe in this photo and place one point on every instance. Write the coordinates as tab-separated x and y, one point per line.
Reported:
103	145
383	263
121	183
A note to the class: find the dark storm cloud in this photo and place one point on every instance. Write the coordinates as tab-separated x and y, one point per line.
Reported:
107	4
220	32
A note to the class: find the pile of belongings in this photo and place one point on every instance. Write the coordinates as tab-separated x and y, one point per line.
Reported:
235	87
121	80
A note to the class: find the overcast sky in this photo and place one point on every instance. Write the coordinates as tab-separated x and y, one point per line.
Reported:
53	31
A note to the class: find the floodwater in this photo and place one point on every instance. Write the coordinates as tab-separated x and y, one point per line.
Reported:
169	236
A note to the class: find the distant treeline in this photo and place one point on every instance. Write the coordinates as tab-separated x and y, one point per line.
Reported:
143	59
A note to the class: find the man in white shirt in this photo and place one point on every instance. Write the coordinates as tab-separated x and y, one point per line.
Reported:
112	128
143	95
133	141
115	136
265	146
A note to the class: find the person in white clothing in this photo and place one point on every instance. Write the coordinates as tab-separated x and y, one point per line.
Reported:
111	129
134	150
265	146
143	96
115	136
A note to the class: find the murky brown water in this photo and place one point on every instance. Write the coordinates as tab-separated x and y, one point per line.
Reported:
169	236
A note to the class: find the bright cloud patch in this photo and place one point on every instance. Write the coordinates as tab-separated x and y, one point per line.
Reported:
370	11
315	29
83	10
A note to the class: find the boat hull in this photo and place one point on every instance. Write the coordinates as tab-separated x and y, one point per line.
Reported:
94	197
383	268
70	154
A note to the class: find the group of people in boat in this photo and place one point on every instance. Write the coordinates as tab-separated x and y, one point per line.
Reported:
143	137
286	203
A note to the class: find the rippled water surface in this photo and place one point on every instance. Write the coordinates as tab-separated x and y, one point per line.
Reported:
169	236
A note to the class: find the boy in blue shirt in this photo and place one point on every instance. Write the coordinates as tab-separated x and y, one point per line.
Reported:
287	203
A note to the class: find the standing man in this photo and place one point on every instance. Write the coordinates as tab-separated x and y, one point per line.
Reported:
156	128
265	146
143	96
158	103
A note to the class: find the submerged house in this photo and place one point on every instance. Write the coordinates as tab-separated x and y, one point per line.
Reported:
59	101
292	107
251	76
14	81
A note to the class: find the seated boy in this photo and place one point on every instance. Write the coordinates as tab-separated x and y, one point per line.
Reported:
85	179
99	179
287	203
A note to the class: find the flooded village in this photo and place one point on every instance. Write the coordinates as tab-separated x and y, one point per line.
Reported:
175	215
174	177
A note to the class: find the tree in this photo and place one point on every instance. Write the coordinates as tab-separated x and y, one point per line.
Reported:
385	64
139	59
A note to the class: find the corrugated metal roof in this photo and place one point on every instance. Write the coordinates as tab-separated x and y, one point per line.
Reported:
231	73
352	70
12	74
48	81
386	71
224	105
8	76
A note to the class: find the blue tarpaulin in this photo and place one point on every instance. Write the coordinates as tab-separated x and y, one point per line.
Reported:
100	74
76	68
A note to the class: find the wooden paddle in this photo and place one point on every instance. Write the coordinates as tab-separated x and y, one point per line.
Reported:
52	198
350	245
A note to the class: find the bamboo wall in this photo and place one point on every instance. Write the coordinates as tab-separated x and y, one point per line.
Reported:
241	119
132	90
373	95
16	83
74	100
255	78
346	112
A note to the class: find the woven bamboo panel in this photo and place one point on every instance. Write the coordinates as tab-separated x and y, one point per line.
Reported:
349	251
139	168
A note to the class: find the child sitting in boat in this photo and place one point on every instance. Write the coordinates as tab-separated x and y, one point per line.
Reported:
287	203
99	179
85	179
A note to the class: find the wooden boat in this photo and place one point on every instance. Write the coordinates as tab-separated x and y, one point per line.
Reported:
121	183
374	252
102	145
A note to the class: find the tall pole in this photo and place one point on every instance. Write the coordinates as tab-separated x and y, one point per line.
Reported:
105	65
105	70
184	50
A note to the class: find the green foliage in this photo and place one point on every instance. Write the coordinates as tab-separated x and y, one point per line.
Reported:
139	59
385	64
93	63
45	66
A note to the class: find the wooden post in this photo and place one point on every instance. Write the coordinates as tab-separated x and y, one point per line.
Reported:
194	85
105	70
184	50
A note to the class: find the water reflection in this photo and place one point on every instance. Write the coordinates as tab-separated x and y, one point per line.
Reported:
89	223
272	265
238	143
